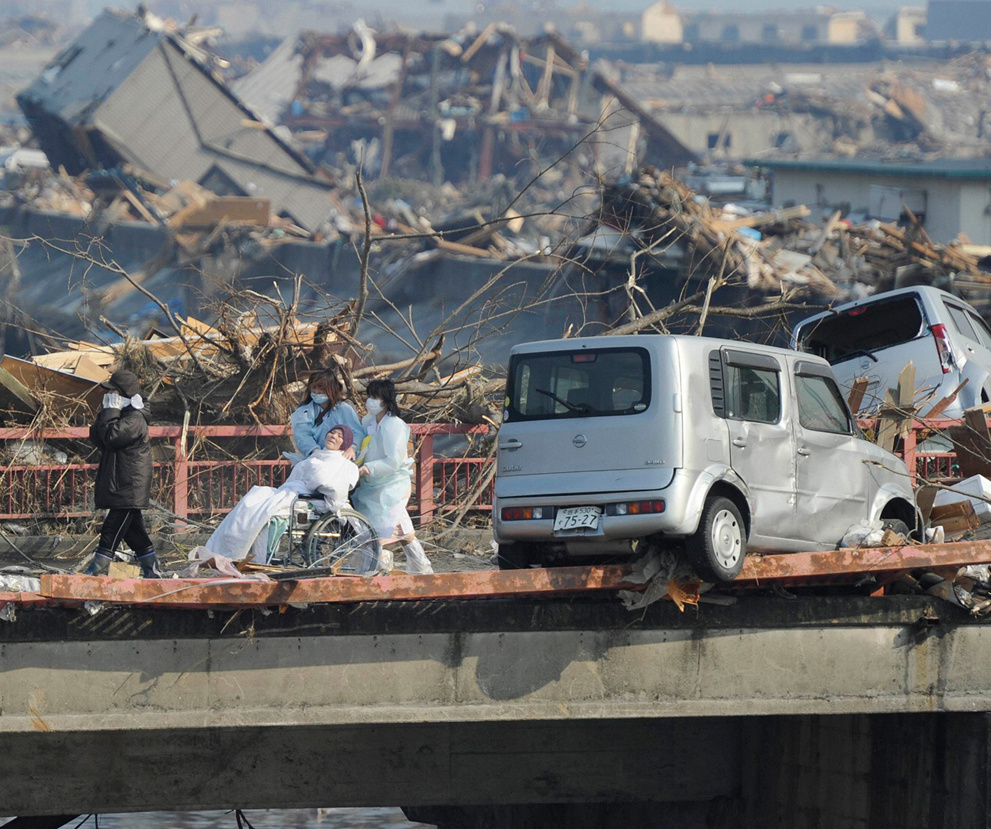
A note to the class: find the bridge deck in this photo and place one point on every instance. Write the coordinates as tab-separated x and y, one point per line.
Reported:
846	566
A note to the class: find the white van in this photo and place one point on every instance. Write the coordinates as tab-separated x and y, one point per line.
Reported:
611	442
941	335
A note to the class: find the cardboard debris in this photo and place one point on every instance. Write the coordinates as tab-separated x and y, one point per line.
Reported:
70	394
975	490
955	519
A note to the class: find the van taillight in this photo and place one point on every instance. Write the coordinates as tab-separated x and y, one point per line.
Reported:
943	348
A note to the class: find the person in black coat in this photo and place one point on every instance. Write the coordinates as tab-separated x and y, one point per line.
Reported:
123	479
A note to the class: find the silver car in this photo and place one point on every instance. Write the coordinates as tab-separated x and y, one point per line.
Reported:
609	443
941	335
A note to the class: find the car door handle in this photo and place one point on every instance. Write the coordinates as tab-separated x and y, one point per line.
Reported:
512	443
739	442
803	451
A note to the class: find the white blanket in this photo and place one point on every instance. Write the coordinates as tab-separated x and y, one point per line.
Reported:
326	472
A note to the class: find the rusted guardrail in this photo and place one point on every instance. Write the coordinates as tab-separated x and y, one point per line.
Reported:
203	487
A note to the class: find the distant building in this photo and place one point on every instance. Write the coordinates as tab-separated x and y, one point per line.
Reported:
663	23
907	26
133	90
949	196
963	20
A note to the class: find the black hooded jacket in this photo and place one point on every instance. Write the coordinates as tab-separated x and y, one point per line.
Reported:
123	479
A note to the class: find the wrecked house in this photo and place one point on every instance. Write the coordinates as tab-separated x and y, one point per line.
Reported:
735	112
456	107
948	196
133	90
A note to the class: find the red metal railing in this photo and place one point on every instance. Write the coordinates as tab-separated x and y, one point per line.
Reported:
929	464
200	487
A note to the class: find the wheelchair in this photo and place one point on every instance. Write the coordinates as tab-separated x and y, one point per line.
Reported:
307	536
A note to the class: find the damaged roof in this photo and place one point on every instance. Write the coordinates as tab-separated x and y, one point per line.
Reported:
127	91
971	169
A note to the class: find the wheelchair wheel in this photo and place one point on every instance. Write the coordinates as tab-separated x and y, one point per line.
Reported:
346	540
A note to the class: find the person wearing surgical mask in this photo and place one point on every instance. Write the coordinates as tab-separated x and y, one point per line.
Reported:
386	471
123	477
322	408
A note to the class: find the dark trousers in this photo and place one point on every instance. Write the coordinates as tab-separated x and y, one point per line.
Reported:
127	525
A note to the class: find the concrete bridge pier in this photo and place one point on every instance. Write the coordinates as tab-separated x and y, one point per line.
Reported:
846	711
882	771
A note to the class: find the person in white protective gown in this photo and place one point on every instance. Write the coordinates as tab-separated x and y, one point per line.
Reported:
323	407
386	469
325	472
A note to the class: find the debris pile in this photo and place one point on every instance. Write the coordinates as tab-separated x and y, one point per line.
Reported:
780	251
456	107
918	108
236	371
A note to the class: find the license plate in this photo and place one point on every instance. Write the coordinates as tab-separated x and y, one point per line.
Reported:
577	518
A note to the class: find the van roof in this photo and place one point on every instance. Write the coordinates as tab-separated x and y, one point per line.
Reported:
654	342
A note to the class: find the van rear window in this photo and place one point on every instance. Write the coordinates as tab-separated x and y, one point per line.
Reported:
868	328
585	383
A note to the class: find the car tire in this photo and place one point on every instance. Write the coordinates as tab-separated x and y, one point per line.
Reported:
718	547
896	525
514	556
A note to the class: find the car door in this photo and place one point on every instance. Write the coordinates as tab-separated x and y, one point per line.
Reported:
833	481
762	449
980	354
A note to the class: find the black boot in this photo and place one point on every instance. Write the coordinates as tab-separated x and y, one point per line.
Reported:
99	564
149	565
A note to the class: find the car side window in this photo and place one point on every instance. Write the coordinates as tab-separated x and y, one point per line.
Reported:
752	394
959	317
820	406
983	332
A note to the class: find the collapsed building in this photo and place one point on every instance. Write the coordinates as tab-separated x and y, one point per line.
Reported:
455	107
132	89
917	109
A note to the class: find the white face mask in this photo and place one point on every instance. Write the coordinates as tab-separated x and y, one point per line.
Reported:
373	405
319	399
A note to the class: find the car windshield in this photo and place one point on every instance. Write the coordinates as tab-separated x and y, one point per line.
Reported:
865	329
586	383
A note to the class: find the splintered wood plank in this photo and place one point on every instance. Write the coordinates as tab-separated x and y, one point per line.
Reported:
906	387
972	444
888	426
857	392
906	398
944	404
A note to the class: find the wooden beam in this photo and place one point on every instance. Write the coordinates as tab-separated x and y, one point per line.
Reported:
857	392
478	43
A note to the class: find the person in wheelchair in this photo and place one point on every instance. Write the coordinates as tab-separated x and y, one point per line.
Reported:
327	472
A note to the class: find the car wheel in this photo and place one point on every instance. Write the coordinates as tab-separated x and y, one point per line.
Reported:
513	556
896	525
717	549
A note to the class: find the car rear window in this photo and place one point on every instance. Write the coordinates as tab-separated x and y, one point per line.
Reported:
867	328
585	383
